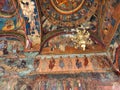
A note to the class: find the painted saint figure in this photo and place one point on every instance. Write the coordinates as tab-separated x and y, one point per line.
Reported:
36	63
68	86
52	63
61	63
79	85
85	61
44	64
5	51
78	62
1	44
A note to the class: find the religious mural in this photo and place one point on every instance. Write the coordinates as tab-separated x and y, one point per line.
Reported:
59	44
32	24
86	28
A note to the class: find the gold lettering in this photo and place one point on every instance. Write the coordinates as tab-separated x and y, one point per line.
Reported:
60	2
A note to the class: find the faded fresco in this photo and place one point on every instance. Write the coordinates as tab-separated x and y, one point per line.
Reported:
59	44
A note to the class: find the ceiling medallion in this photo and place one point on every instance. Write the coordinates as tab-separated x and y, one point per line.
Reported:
67	6
68	13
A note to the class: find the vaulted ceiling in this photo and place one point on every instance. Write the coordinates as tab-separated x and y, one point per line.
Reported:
49	26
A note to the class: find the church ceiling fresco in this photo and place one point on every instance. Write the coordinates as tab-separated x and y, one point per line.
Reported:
49	20
59	44
63	19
